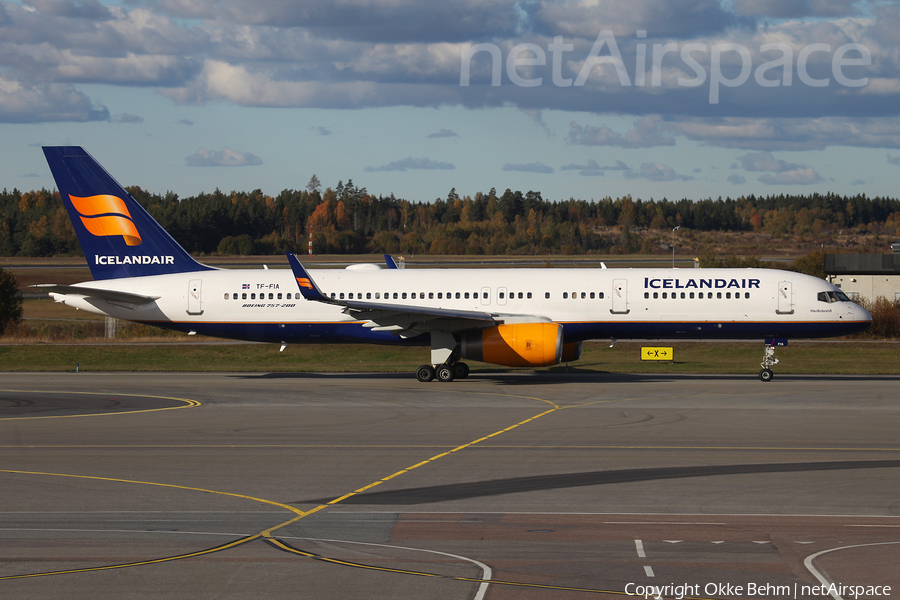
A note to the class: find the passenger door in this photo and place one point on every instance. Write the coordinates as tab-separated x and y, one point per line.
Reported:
194	297
620	297
785	298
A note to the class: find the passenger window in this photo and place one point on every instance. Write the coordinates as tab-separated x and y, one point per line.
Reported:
592	295
279	295
682	295
440	295
253	296
692	295
646	295
226	296
244	296
395	295
747	295
583	295
234	297
342	295
565	295
457	295
501	295
368	295
475	295
404	296
528	295
574	295
719	295
430	295
466	295
728	295
700	295
521	295
600	295
350	295
655	295
289	296
378	295
664	295
546	295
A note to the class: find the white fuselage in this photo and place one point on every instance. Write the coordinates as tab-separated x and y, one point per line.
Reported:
265	305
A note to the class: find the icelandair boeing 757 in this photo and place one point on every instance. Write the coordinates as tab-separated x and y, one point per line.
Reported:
511	317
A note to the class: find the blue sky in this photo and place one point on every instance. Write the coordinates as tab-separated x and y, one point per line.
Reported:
191	95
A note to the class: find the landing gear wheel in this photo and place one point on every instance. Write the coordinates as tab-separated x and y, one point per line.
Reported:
425	373
444	373
460	370
766	375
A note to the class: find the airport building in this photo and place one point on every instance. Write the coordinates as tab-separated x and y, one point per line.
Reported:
866	276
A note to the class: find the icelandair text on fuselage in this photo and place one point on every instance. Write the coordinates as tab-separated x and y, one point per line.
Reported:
797	590
679	284
133	260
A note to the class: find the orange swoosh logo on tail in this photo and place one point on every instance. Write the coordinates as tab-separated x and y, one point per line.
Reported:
115	219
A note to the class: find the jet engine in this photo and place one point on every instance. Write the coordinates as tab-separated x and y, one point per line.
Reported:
515	345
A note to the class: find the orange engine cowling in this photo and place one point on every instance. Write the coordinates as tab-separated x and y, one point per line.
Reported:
515	345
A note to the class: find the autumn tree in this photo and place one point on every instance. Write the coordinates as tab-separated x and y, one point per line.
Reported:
10	301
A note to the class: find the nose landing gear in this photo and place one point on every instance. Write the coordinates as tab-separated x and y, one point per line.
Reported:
769	360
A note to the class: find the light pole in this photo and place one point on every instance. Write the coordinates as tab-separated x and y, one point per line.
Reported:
673	244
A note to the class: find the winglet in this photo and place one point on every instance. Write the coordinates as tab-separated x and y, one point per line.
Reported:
389	261
307	286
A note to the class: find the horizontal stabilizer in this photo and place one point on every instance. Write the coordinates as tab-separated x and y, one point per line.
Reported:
87	292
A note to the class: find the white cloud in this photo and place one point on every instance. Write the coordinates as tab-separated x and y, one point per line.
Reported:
777	171
656	172
224	158
443	133
647	133
534	167
22	102
411	163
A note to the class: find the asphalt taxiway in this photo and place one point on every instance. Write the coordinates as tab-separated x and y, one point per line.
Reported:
499	486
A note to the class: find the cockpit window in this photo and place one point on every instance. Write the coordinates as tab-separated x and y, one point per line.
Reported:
835	296
842	296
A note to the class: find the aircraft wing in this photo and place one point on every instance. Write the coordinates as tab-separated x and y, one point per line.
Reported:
406	321
109	295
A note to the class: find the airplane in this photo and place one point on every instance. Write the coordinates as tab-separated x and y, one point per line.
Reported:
511	317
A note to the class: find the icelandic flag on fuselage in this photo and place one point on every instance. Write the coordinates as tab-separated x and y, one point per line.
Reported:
118	237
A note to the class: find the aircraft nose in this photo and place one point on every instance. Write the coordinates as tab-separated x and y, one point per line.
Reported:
861	314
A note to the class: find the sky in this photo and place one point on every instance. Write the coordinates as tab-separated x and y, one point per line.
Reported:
573	98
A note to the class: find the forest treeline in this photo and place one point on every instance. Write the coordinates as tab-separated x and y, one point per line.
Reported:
347	219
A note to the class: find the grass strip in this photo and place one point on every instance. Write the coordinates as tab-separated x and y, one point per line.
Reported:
852	358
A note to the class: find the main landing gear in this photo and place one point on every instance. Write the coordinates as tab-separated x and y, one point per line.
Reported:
443	372
769	360
445	365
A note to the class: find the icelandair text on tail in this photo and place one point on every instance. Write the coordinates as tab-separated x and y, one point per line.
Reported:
133	260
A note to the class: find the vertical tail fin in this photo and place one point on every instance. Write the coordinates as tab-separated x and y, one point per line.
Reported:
118	237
